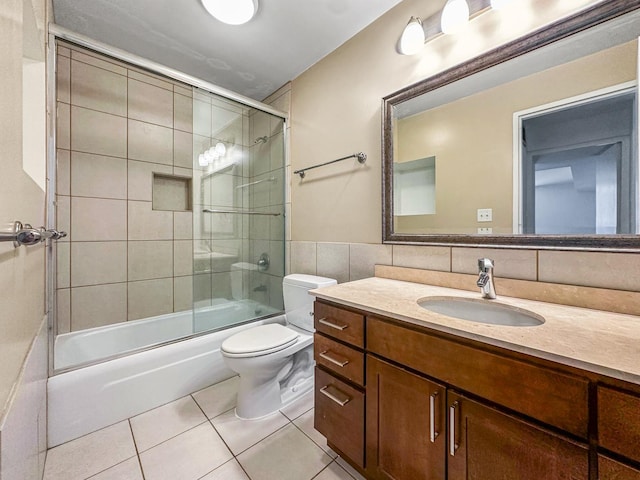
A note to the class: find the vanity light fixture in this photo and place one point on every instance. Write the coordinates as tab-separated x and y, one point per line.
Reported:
232	12
498	4
455	15
412	37
220	149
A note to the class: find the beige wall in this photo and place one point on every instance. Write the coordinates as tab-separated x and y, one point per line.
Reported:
122	259
485	123
23	353
336	110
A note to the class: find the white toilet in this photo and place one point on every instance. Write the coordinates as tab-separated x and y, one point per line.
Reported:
275	362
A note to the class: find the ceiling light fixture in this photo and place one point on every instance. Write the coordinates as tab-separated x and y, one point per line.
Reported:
455	15
412	37
232	12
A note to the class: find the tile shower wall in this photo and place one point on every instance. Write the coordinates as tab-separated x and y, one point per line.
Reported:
354	261
117	126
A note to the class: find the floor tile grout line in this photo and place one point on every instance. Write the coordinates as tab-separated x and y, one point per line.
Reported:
135	445
109	467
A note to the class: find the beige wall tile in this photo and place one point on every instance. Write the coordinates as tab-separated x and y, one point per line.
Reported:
149	298
182	113
64	51
593	269
303	257
63	309
150	143
149	260
183	172
63	79
202	118
171	193
63	268
150	78
150	104
364	256
63	217
98	305
63	126
182	149
182	293
182	257
98	89
520	264
94	263
63	172
182	225
148	224
98	176
96	219
333	261
429	258
276	151
97	132
183	90
92	59
140	179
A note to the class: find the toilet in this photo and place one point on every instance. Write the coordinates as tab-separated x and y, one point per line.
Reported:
274	361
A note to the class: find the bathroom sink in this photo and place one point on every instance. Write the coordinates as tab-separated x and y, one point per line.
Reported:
481	311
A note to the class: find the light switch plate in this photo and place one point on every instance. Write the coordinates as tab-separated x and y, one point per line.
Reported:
485	230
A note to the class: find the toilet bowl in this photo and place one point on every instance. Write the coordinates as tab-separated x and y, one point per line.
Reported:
275	362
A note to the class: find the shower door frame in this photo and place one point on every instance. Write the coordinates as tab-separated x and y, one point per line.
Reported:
57	32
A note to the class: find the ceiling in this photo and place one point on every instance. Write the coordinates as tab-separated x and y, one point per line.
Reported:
284	39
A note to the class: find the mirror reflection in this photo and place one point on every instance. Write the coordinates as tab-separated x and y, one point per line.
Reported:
543	144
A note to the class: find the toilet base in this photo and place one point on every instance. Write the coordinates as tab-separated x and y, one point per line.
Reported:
295	378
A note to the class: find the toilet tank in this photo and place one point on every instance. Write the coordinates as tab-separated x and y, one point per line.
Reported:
298	304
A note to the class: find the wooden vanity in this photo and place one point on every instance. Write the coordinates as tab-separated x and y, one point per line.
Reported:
404	400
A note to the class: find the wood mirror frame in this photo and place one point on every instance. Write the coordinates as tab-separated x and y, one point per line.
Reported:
559	30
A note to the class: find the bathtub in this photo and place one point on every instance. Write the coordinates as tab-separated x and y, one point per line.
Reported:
94	344
90	398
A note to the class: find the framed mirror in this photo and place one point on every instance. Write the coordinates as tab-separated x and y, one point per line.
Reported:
533	144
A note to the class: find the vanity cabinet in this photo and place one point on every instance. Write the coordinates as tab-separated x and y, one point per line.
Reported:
339	380
431	405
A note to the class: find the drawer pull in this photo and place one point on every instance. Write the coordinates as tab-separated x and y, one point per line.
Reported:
453	445
433	434
340	401
326	322
333	360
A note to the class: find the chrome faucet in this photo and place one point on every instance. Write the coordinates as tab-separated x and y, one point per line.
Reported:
485	278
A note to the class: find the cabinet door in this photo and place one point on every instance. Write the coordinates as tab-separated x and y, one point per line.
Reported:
485	444
405	424
609	469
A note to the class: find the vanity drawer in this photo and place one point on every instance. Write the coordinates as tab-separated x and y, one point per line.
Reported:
609	469
344	361
550	396
338	323
339	415
619	422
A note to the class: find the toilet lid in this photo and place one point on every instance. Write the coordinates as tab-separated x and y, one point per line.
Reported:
259	340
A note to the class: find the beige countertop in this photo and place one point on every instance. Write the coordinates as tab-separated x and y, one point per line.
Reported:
601	342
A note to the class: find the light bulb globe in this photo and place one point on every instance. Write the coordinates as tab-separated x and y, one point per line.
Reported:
412	37
455	15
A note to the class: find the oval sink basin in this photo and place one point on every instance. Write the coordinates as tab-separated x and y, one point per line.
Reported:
481	311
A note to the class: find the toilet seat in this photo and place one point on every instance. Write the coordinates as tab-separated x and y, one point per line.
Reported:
260	340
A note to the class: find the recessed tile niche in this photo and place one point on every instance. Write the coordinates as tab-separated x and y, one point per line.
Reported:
171	192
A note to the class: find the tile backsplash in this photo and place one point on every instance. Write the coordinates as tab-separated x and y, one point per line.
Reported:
354	261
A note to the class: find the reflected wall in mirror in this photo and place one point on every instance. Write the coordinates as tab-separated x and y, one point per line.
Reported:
541	133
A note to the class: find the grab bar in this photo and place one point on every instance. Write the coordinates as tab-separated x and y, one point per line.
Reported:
270	214
27	235
270	179
362	157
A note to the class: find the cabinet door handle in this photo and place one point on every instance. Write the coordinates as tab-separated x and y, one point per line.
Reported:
340	401
326	322
333	360
433	434
453	445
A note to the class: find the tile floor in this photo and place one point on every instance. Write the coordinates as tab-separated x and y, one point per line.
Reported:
199	437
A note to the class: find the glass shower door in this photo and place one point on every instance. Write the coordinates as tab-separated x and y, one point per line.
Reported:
238	221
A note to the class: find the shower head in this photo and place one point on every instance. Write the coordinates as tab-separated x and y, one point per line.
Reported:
264	139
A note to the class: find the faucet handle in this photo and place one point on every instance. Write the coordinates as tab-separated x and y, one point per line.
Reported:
485	264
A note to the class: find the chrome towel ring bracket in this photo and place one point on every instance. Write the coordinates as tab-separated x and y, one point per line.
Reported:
27	235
